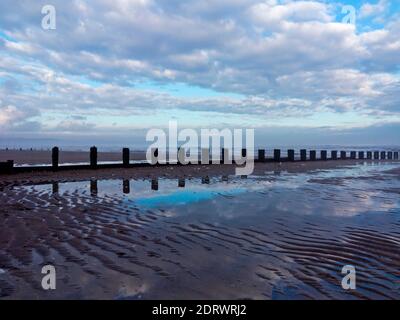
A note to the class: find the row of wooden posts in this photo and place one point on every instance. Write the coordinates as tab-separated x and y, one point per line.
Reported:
8	167
377	155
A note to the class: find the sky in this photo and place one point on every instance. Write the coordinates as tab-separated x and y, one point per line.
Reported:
298	72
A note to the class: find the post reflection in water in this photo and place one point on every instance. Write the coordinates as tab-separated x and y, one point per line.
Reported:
126	188
154	184
93	188
181	183
55	187
205	180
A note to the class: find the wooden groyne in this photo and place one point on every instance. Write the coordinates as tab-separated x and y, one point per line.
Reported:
8	167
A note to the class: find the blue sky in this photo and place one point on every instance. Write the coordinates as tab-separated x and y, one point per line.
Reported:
118	68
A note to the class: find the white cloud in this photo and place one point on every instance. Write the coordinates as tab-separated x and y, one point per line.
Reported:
285	57
368	9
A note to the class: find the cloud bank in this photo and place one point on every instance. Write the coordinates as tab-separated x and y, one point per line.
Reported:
133	64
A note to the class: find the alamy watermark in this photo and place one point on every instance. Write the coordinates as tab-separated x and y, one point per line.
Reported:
349	280
49	21
192	146
49	280
350	15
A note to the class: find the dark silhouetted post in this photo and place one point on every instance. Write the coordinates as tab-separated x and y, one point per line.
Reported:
369	155
261	155
125	157
181	183
396	155
54	157
225	157
10	165
290	155
205	156
334	155
353	155
390	155
376	155
154	156
313	155
324	155
383	155
277	155
343	155
182	155
244	153
93	157
303	154
361	155
126	187
7	167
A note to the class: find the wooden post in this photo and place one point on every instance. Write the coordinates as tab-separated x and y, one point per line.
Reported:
334	155
369	155
261	155
54	158
181	155
390	155
181	183
303	154
225	156
93	157
277	155
396	155
313	155
205	156
154	156
126	188
383	155
376	155
290	155
361	155
10	165
353	155
7	167
125	157
343	155
324	155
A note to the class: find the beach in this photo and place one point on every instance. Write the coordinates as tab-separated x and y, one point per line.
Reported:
200	232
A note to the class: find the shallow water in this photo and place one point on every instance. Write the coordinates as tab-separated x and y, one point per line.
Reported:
280	235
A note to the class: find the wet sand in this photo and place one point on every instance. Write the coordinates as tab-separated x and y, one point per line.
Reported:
198	232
